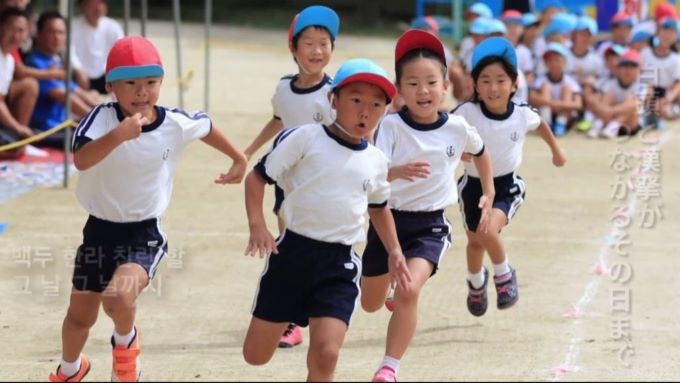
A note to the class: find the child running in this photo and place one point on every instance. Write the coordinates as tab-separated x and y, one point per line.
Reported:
302	98
127	152
312	274
502	125
424	147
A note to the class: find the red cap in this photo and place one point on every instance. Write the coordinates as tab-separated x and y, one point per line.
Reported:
292	28
665	10
622	18
418	39
632	56
511	15
133	57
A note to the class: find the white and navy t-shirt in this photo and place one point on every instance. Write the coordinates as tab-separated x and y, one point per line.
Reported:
620	92
134	182
6	72
556	86
582	66
666	68
525	59
441	144
330	183
92	44
503	135
296	107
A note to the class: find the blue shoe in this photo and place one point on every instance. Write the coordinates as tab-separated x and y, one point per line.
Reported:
559	129
477	300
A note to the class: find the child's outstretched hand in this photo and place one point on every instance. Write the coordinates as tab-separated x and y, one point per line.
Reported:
409	171
131	127
398	271
261	242
485	204
559	158
234	175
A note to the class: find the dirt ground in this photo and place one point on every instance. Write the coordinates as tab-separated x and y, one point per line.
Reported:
194	317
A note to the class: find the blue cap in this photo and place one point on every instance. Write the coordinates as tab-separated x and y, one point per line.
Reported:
426	23
554	47
317	15
561	23
480	26
481	10
495	47
640	36
496	26
668	22
364	70
549	3
586	23
529	19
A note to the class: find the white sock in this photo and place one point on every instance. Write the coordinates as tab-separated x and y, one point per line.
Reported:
561	119
391	363
545	112
123	340
501	268
588	116
612	129
69	369
477	279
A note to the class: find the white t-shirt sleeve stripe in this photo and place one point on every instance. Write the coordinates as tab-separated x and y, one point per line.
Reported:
196	126
284	155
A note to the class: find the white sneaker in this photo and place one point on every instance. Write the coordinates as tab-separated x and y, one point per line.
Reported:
611	130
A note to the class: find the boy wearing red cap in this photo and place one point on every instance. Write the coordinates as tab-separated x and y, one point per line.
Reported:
302	98
127	152
312	277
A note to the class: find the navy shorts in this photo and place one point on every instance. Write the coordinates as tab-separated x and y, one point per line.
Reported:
510	193
107	245
424	235
308	279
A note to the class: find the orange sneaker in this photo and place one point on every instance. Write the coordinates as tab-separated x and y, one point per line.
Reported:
126	364
77	377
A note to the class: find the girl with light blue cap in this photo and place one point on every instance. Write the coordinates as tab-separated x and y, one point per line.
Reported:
502	124
334	177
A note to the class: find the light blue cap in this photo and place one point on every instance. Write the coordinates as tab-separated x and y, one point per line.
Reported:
556	48
364	70
529	19
480	26
496	26
317	15
640	36
561	23
481	10
494	47
586	23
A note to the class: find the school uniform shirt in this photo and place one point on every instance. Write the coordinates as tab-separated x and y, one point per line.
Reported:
92	44
296	106
330	182
588	64
6	72
134	182
556	86
525	59
667	68
620	93
503	135
441	144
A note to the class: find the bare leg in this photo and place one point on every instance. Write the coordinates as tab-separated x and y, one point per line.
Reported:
326	336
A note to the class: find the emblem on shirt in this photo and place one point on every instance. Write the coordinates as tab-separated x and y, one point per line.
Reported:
317	117
166	153
367	184
450	151
514	136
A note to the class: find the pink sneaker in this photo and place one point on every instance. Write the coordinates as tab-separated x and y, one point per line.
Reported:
291	337
385	374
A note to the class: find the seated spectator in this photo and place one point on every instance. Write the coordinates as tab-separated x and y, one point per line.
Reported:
556	94
93	36
619	110
50	109
17	97
585	65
